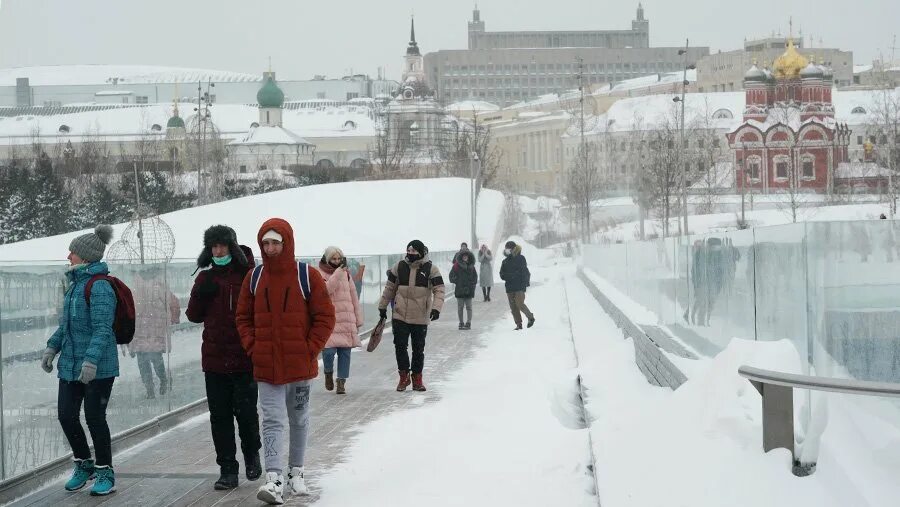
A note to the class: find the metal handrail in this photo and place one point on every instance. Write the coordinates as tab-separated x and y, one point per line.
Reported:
816	383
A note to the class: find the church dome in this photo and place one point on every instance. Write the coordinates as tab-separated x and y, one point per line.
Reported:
175	122
270	95
791	63
811	71
827	73
754	74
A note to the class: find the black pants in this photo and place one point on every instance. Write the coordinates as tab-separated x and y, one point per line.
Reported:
402	333
68	409
232	396
147	362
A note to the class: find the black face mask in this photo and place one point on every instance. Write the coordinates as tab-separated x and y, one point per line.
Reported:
335	266
413	257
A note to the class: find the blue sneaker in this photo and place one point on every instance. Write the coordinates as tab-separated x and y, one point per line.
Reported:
105	482
83	472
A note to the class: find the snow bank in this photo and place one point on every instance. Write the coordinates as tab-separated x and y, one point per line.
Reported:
702	444
363	218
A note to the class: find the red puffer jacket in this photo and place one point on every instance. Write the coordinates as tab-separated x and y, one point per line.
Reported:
281	331
221	350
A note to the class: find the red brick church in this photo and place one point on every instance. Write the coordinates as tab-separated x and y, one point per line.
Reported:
789	138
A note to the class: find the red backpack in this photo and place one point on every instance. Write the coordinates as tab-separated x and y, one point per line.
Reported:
123	322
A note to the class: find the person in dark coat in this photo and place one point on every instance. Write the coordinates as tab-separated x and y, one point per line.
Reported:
465	276
230	387
514	271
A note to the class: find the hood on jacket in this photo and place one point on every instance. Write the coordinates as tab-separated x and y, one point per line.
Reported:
466	255
516	250
248	255
222	235
286	258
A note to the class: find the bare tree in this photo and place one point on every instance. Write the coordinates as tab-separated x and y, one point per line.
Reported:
706	158
884	128
459	140
658	182
584	185
390	156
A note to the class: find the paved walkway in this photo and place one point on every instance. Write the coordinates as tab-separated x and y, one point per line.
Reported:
179	468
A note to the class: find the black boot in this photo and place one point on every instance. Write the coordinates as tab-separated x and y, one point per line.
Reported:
252	467
226	481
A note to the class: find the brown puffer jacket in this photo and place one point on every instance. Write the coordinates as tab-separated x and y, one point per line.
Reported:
281	331
416	289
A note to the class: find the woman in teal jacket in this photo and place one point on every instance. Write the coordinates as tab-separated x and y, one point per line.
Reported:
88	363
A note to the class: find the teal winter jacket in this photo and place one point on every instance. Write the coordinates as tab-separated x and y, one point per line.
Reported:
86	334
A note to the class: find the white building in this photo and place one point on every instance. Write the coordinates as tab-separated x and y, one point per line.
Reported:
268	144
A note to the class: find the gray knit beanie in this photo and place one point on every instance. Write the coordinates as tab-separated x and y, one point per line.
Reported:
92	245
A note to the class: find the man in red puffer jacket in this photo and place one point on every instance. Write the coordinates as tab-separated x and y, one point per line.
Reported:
231	390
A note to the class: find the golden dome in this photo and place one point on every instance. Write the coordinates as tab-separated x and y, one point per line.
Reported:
789	65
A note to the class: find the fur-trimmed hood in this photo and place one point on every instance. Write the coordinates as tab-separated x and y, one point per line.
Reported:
220	235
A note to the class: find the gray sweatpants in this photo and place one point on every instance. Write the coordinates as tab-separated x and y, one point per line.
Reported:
467	303
274	401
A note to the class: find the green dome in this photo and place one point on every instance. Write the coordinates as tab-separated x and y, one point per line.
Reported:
175	122
270	95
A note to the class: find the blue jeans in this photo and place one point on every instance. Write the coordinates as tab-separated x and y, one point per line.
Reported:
343	354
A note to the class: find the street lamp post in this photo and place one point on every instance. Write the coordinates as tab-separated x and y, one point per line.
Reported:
682	158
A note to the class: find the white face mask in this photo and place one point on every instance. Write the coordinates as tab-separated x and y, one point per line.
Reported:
507	252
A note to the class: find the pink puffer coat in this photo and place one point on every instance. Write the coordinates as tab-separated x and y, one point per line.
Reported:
347	311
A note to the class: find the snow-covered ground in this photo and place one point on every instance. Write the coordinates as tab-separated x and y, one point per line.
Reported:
505	431
363	218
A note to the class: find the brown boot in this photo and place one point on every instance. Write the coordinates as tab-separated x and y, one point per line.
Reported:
329	381
404	380
340	386
417	382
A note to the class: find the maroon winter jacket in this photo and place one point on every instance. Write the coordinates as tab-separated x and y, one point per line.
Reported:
222	351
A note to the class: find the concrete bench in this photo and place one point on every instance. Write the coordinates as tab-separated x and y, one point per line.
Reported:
777	391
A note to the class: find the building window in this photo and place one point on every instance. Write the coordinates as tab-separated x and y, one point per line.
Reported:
858	110
262	167
140	99
859	140
243	168
781	170
320	95
354	95
754	170
809	170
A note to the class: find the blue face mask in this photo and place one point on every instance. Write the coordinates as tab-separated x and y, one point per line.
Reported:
222	261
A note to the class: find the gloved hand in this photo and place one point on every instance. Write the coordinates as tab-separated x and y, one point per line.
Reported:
88	372
207	288
382	312
435	315
47	359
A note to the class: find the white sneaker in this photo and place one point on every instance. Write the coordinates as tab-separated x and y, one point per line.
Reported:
296	481
272	492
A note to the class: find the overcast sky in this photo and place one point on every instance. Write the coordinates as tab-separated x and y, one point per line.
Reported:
333	37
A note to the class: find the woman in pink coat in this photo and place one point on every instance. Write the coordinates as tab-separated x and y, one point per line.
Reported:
348	315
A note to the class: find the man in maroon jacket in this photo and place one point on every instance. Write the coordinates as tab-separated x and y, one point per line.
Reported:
231	390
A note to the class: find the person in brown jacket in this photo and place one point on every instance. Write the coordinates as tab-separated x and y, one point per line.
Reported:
417	290
284	317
